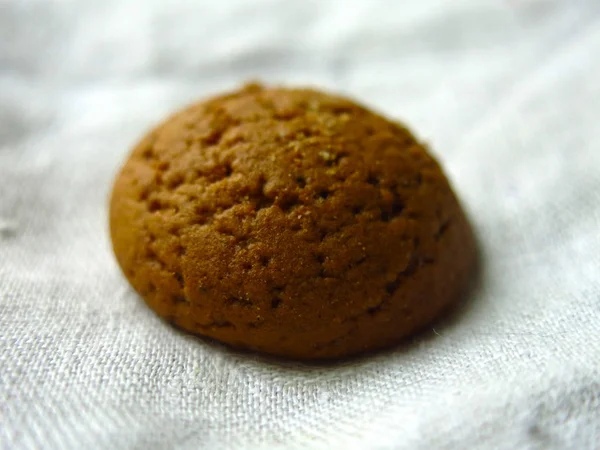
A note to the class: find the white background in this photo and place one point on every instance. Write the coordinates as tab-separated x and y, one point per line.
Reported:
506	92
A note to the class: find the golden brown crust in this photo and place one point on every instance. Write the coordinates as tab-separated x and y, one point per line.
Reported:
290	222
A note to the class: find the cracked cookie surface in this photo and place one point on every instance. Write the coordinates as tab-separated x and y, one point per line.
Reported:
290	222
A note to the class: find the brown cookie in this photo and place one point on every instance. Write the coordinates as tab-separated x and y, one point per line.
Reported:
291	222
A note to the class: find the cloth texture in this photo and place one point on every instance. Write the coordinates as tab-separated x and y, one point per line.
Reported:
505	92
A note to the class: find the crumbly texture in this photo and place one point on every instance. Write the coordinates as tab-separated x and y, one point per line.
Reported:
291	222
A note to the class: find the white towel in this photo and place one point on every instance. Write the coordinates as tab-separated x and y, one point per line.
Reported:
506	93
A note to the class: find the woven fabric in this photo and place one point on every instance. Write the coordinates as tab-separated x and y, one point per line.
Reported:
506	93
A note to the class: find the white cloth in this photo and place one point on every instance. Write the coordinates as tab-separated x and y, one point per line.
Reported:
506	92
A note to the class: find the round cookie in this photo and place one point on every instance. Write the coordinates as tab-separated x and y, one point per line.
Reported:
291	222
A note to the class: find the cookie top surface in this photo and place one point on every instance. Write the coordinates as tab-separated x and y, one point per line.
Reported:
288	221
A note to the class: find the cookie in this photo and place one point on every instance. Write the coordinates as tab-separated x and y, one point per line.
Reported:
290	222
